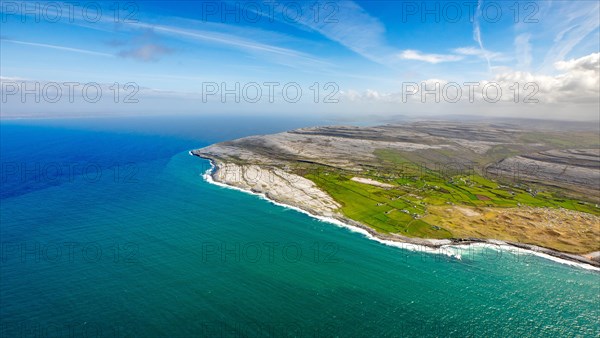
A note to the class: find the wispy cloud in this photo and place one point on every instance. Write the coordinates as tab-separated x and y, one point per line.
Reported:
477	33
364	34
480	53
523	50
458	54
57	47
230	40
247	39
410	54
146	47
146	53
354	29
570	23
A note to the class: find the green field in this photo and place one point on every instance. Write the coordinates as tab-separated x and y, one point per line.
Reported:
400	209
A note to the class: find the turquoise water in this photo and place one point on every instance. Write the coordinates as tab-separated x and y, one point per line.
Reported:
147	248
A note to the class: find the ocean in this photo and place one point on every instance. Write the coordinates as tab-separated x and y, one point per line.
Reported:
108	229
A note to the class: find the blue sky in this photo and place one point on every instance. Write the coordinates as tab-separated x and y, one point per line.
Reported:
367	48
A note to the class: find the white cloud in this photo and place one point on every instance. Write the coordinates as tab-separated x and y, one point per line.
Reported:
523	50
410	54
568	23
579	81
575	91
480	53
586	63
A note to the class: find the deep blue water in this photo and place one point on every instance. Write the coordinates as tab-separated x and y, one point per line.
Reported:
107	229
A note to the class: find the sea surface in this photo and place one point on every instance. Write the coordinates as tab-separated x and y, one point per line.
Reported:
108	229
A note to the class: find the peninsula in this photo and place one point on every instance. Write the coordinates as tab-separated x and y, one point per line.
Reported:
433	183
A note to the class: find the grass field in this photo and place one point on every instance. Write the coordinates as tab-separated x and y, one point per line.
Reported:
413	207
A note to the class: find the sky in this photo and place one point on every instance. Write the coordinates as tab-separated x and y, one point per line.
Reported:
344	58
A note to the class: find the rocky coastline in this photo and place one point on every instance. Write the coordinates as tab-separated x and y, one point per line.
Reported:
300	193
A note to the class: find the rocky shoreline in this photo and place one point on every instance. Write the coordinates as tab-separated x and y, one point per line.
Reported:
300	193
